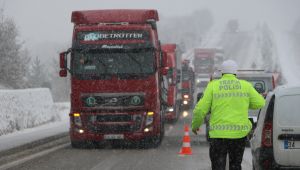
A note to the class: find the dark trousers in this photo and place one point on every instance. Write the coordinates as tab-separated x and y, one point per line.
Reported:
219	148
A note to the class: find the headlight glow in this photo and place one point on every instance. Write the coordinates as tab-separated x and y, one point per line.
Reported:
185	114
170	109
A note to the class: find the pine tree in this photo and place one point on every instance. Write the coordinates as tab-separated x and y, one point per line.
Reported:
13	60
37	77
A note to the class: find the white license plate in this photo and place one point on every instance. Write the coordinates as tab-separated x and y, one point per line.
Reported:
114	136
290	144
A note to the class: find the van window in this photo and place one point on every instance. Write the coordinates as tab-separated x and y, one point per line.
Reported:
288	110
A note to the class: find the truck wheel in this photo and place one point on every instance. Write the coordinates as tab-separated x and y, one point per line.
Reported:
155	141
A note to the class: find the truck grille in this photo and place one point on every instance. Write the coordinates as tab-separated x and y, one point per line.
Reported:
113	128
95	121
113	100
113	118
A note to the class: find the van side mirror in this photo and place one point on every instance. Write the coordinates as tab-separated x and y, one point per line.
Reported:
259	87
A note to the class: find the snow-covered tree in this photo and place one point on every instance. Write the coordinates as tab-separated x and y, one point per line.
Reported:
13	59
37	76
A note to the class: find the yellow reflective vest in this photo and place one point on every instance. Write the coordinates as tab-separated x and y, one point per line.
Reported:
228	99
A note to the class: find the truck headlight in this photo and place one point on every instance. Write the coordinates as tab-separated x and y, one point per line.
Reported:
186	96
185	102
170	109
149	119
77	119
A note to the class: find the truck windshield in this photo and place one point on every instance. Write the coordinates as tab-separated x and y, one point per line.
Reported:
109	62
185	75
203	61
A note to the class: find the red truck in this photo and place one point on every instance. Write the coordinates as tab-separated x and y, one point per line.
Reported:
187	85
173	81
116	66
204	61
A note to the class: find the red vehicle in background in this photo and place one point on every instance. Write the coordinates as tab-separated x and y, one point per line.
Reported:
116	67
187	85
173	81
204	61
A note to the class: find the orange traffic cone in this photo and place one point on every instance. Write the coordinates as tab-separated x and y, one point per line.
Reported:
186	145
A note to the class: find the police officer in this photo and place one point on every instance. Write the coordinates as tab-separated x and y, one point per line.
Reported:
228	99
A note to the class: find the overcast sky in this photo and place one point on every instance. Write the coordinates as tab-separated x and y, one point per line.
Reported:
49	20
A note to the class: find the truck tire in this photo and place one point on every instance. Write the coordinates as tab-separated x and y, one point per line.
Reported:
155	141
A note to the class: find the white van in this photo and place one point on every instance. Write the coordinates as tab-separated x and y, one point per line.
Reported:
276	140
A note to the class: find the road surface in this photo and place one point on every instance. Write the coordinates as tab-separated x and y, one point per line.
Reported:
164	157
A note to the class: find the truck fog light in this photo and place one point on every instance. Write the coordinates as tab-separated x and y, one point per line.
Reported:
198	80
185	102
79	130
148	129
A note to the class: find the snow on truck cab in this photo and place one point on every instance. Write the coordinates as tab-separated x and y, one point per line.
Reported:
116	68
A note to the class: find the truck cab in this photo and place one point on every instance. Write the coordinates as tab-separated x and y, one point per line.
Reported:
173	80
187	85
116	69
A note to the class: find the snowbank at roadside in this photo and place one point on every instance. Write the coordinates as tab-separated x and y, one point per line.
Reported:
26	108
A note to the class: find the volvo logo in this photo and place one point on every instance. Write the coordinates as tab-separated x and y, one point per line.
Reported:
135	100
91	101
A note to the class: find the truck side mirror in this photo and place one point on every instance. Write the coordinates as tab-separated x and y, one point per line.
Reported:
63	63
63	73
178	77
63	60
164	60
164	70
